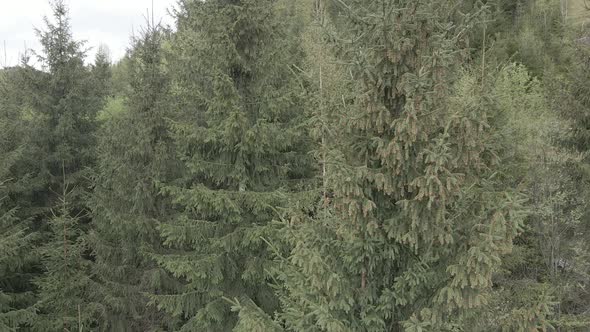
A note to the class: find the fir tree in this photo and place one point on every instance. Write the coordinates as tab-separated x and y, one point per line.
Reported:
563	231
101	71
66	300
521	299
17	263
419	220
546	274
241	140
15	291
14	244
310	165
135	155
62	105
66	100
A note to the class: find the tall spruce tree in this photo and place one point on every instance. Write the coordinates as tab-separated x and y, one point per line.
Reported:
135	154
62	103
419	218
66	100
241	139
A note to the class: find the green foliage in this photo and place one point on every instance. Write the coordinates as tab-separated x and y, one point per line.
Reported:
564	228
420	217
15	238
241	139
252	319
51	129
135	155
14	296
315	165
553	154
114	108
102	73
521	299
66	287
18	264
120	79
65	99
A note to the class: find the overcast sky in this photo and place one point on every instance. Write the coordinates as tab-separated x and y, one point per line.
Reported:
97	21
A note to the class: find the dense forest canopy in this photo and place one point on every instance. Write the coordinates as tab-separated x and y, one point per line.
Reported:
312	165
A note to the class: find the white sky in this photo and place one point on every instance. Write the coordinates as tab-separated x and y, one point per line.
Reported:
108	22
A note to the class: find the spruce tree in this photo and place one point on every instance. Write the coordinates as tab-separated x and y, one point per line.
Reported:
66	288
240	137
17	263
14	247
102	73
565	235
66	100
419	219
62	104
522	299
135	155
543	279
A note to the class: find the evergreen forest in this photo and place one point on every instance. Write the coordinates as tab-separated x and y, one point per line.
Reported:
308	165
